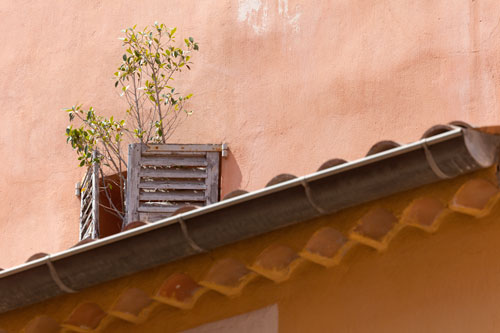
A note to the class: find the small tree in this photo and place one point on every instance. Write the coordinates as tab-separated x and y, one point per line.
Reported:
150	62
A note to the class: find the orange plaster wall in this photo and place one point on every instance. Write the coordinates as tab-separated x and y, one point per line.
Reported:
442	282
287	84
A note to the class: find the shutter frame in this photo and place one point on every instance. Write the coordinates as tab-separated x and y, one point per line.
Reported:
89	204
161	178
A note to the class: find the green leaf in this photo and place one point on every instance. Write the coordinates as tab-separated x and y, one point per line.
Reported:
191	39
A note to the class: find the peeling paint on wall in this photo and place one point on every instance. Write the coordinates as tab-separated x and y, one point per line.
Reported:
259	15
292	20
254	14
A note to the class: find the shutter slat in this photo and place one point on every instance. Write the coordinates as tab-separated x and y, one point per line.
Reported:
172	185
151	217
187	147
155	153
173	173
172	196
158	209
173	161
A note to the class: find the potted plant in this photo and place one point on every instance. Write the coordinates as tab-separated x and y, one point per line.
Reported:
151	60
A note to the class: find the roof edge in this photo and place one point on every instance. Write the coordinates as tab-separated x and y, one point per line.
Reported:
429	160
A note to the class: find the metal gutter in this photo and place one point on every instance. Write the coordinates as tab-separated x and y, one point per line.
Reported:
446	155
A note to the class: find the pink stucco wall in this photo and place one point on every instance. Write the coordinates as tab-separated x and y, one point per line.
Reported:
286	83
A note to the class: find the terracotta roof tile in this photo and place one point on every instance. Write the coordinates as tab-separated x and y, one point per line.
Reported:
133	225
228	276
460	123
86	317
234	194
131	306
180	291
84	241
435	130
280	179
375	229
326	247
424	213
331	163
476	197
185	209
36	256
41	324
276	262
382	146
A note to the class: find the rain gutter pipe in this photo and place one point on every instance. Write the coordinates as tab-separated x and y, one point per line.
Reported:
430	160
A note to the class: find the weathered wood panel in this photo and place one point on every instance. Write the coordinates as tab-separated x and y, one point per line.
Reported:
186	147
172	196
153	153
173	185
133	169
173	161
212	180
163	178
158	209
89	204
95	199
173	173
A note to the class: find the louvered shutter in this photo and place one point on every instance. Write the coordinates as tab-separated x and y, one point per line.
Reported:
163	178
89	204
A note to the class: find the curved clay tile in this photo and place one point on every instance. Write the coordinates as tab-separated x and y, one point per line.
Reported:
84	241
382	146
84	318
41	324
375	229
331	163
326	247
131	306
280	179
435	130
235	193
133	225
36	256
180	291
184	209
228	277
276	262
476	197
460	123
424	213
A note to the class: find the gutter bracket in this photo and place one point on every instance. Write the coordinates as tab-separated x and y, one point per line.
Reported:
55	277
309	196
432	162
190	241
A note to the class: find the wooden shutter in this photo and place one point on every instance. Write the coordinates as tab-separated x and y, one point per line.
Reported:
163	178
89	204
